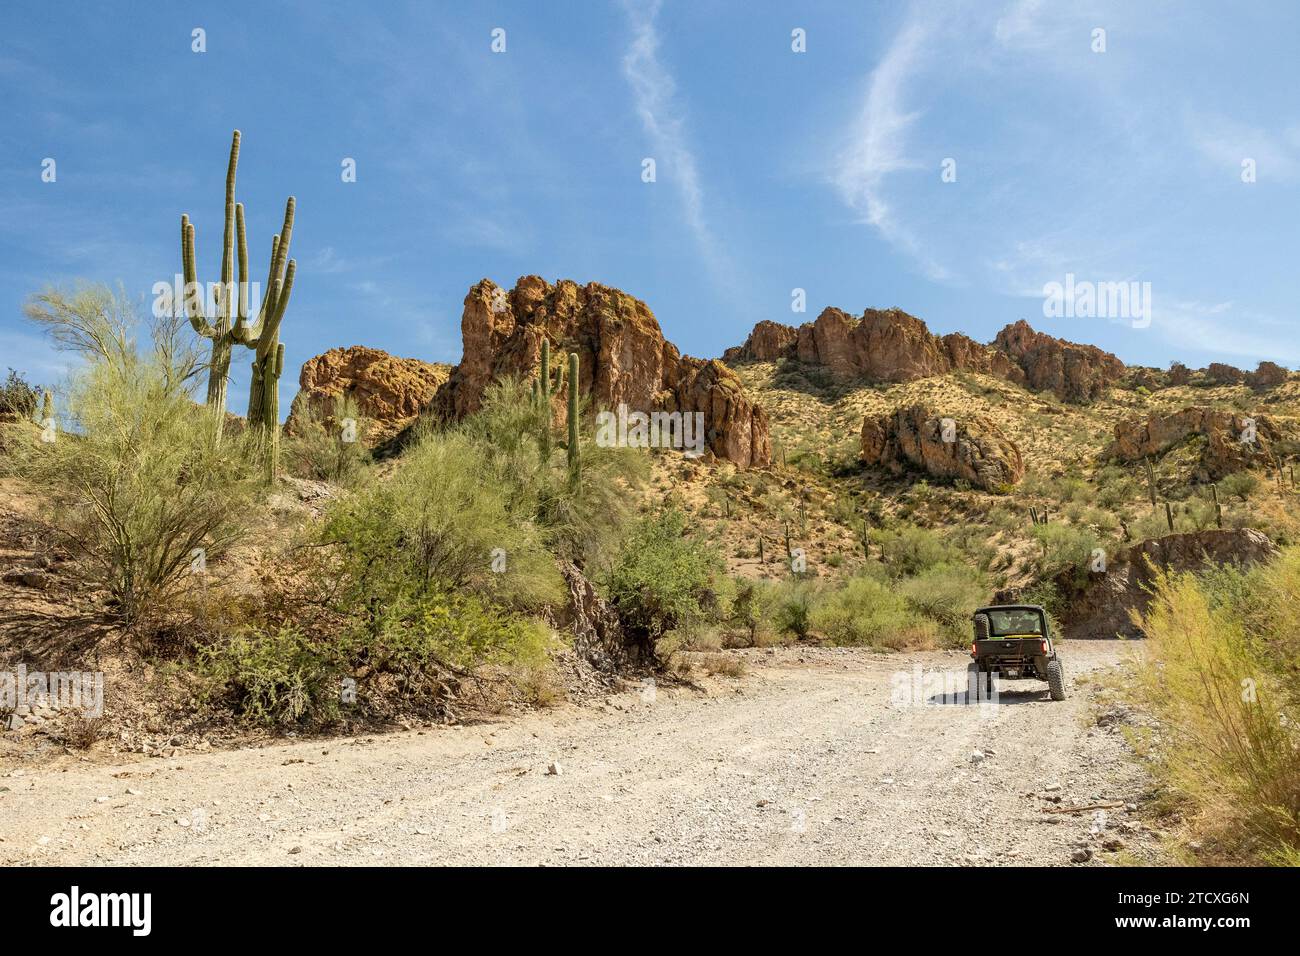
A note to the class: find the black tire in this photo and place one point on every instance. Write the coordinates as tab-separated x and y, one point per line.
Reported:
1056	679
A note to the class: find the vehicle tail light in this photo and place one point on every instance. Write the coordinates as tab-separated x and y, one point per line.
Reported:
1044	646
972	650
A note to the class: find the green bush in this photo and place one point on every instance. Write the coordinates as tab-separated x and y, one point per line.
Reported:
867	611
948	595
753	612
441	521
792	608
1065	547
665	579
1220	674
586	524
17	397
1240	484
140	480
908	549
410	649
324	448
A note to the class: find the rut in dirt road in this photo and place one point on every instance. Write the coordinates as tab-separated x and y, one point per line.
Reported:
802	761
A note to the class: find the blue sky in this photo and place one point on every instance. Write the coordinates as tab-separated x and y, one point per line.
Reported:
776	170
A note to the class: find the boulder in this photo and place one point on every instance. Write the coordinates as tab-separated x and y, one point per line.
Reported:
624	359
970	448
1179	374
1217	373
1233	442
1266	375
389	391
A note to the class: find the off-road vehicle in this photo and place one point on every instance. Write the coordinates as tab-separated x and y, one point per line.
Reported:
1013	640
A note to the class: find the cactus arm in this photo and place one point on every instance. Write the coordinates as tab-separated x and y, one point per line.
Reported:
228	238
241	241
276	289
271	331
193	310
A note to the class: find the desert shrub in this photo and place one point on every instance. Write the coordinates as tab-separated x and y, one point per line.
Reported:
1065	547
18	397
1150	523
409	649
141	480
869	611
1200	513
328	447
441	521
907	549
665	579
948	595
586	522
792	608
1115	487
753	611
275	677
1240	484
1219	674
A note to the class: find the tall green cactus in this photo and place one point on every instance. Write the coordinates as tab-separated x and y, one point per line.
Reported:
543	391
575	459
263	338
195	302
230	324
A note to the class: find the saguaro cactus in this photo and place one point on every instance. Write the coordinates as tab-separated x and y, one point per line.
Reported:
575	460
542	392
263	338
230	323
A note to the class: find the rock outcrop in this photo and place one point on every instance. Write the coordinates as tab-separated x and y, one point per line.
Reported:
960	447
893	346
623	359
768	342
1266	375
1074	373
1103	607
1233	442
389	391
1218	373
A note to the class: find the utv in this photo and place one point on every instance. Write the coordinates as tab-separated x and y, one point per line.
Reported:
1013	640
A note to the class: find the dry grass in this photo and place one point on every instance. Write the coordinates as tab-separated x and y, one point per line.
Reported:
1220	676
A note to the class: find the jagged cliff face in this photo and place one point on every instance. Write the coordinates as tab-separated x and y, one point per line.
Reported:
623	357
892	346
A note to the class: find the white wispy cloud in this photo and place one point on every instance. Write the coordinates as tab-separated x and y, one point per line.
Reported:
655	95
1226	142
1223	328
877	147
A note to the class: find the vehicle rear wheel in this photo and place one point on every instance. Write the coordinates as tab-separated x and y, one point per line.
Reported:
1056	679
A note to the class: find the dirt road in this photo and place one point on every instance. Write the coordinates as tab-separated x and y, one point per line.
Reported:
804	760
